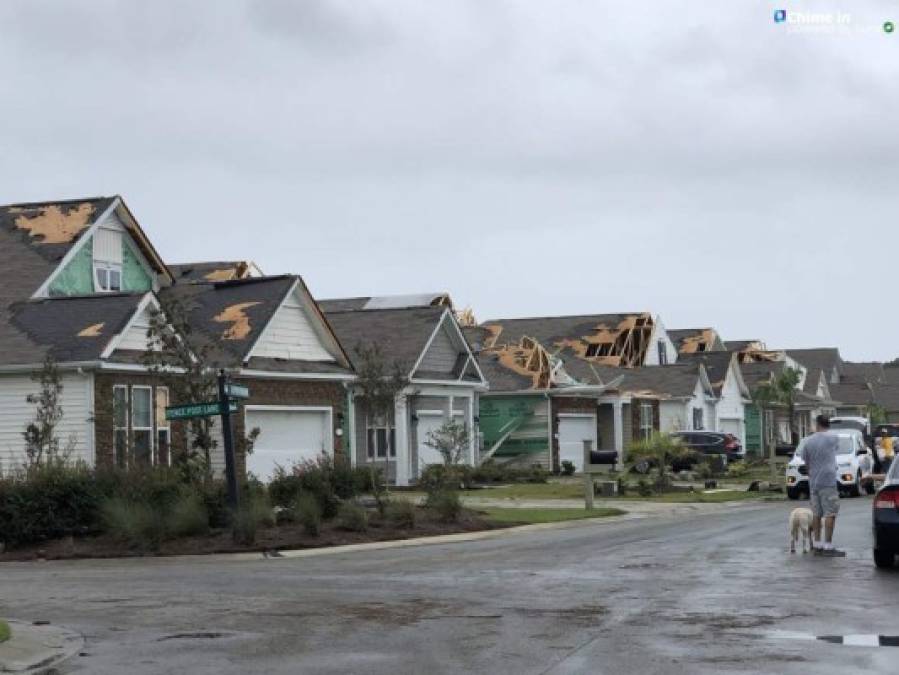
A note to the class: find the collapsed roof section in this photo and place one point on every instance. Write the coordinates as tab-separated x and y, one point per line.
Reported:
386	302
696	340
225	270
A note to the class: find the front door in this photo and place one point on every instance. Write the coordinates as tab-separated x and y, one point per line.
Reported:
427	423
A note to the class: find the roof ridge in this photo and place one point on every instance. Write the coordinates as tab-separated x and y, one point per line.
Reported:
48	202
563	316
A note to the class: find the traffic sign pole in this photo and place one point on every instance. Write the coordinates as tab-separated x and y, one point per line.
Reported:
228	438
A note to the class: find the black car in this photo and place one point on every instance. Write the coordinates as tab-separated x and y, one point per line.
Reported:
886	520
712	443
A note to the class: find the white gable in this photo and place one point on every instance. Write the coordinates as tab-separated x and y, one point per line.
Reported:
291	334
135	335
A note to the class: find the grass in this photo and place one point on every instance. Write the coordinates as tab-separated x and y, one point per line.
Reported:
5	632
529	516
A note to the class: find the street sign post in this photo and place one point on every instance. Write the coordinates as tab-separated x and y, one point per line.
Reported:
228	438
237	390
191	410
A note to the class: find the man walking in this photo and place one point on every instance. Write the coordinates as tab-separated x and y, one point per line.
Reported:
820	456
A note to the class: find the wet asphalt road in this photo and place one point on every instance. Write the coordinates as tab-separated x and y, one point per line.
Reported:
698	594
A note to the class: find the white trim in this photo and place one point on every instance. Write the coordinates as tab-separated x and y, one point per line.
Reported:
424	351
452	383
467	348
92	420
431	412
581	415
246	372
152	428
116	339
43	290
249	352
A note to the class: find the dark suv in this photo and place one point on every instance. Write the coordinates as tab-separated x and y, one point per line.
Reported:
712	443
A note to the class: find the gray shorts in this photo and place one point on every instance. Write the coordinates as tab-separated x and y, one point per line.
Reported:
825	502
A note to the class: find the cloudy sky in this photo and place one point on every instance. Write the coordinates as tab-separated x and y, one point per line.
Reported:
533	158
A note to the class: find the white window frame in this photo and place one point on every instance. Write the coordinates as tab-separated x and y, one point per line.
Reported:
109	268
115	428
371	453
646	427
135	428
167	428
663	352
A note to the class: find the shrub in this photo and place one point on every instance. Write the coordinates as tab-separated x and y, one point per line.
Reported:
244	525
401	513
643	488
187	517
737	470
320	478
567	468
622	487
134	522
445	504
5	632
443	477
308	513
352	517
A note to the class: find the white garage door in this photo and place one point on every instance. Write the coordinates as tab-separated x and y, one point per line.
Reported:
573	431
732	426
286	437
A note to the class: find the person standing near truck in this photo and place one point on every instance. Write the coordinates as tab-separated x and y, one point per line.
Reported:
820	456
886	450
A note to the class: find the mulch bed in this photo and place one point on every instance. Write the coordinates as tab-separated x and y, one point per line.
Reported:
281	537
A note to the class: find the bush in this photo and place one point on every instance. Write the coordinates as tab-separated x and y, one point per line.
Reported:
5	632
567	468
401	513
244	525
187	517
644	489
326	480
352	517
737	470
134	522
443	477
308	513
445	504
622	487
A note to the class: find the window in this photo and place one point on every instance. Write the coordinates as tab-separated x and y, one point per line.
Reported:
646	427
802	425
142	424
697	418
120	425
163	431
663	353
380	440
107	277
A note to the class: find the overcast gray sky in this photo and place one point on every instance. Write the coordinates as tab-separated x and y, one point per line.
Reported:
532	158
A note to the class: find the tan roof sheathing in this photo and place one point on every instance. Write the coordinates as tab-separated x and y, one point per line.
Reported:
93	330
236	316
53	225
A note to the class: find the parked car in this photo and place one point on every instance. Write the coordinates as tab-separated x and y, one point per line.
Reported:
853	462
712	443
848	422
886	520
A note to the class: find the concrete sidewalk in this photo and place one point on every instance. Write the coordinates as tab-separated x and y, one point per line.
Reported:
637	507
37	649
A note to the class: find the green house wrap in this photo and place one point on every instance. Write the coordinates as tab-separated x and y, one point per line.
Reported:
77	277
134	276
513	425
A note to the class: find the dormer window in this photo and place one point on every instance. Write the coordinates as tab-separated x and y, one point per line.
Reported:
107	277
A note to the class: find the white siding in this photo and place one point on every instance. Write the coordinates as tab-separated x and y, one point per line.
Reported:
290	335
16	412
698	401
136	336
108	245
730	408
673	416
659	333
441	355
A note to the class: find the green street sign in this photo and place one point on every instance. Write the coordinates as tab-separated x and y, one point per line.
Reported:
183	412
237	391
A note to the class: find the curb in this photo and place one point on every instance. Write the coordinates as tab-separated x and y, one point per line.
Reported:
36	649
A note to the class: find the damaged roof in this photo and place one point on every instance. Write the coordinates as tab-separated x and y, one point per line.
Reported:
227	270
229	316
400	334
696	340
69	329
671	381
386	302
716	365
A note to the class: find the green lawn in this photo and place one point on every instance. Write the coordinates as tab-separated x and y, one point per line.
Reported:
576	491
529	516
4	631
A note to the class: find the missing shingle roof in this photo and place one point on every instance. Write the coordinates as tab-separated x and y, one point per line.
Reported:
53	224
91	331
237	317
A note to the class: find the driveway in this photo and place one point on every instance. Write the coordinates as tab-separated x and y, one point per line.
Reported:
706	592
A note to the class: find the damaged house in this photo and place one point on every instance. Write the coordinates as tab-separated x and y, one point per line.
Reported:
696	340
81	283
421	335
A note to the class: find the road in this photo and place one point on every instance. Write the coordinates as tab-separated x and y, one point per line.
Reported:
701	594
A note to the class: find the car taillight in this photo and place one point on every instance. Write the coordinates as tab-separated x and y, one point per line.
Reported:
730	444
887	499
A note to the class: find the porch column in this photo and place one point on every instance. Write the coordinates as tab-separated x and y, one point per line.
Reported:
473	436
403	455
618	425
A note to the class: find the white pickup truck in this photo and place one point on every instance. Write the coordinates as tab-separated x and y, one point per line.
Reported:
853	462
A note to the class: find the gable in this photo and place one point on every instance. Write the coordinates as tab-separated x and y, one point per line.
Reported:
291	334
134	337
442	354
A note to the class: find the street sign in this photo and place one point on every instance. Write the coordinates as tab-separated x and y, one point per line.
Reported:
183	412
237	391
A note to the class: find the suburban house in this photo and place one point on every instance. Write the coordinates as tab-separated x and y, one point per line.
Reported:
548	393
420	335
696	340
81	285
269	334
731	393
79	279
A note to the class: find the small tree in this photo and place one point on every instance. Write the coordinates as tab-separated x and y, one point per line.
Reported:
658	450
451	440
876	414
378	384
780	391
41	441
186	367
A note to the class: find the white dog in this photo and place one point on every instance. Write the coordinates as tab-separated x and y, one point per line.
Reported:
801	522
